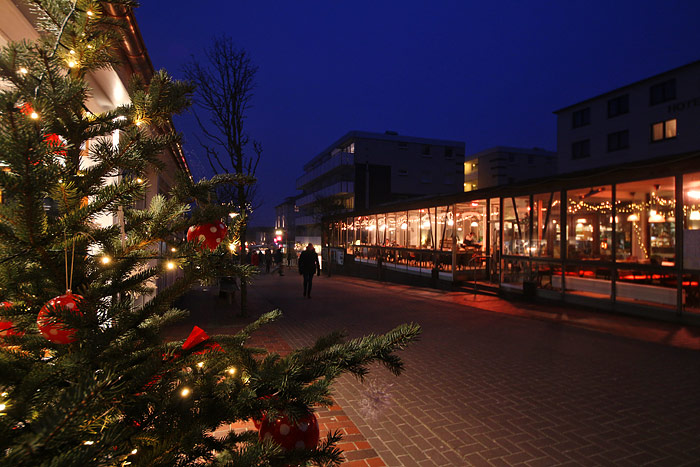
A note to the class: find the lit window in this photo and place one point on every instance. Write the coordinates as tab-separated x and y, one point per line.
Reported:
664	130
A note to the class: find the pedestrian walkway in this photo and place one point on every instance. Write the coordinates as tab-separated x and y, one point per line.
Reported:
620	325
484	386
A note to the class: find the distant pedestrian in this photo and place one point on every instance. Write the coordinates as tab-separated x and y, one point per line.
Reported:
278	261
254	258
290	256
268	260
308	266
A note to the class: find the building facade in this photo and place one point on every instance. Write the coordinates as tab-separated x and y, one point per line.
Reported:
285	221
503	165
651	118
363	169
617	229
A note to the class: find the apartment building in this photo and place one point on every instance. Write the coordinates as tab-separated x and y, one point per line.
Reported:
503	165
651	118
364	169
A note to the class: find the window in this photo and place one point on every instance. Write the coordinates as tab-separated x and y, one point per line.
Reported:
403	173
426	150
662	92
448	153
663	130
403	145
426	178
581	149
618	106
448	180
581	117
618	140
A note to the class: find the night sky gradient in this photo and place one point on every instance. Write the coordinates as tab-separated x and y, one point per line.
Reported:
486	73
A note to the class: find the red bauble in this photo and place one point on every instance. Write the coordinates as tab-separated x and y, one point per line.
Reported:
209	235
26	109
55	331
55	144
300	435
7	327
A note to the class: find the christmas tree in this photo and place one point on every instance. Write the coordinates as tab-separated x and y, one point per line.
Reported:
85	376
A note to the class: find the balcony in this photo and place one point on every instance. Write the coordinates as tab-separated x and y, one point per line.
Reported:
337	160
340	188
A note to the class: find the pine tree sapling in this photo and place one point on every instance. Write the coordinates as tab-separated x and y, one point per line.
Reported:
86	376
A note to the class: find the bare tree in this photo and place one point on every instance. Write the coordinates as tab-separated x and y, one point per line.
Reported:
225	82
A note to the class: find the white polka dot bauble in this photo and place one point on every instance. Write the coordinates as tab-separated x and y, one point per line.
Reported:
303	434
207	235
50	327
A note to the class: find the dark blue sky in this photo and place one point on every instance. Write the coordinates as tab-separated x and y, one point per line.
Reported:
486	73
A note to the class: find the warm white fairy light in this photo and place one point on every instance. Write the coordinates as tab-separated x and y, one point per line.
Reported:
170	265
106	260
134	451
90	13
200	364
34	115
173	249
139	180
89	443
231	371
185	392
23	71
2	407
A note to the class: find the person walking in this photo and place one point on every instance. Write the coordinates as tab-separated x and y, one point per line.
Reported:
268	261
278	261
308	266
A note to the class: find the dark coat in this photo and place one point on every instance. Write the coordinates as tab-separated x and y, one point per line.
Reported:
308	262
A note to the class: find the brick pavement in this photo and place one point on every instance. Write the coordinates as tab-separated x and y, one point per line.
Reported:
485	388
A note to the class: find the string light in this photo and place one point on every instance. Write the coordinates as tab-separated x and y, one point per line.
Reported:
231	371
185	392
90	13
200	364
139	180
106	260
134	451
170	265
89	443
173	249
34	115
23	71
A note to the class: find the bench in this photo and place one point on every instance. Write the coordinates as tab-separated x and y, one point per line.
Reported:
227	288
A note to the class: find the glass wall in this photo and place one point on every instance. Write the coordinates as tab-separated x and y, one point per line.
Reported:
646	224
530	241
546	240
691	242
516	225
589	223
